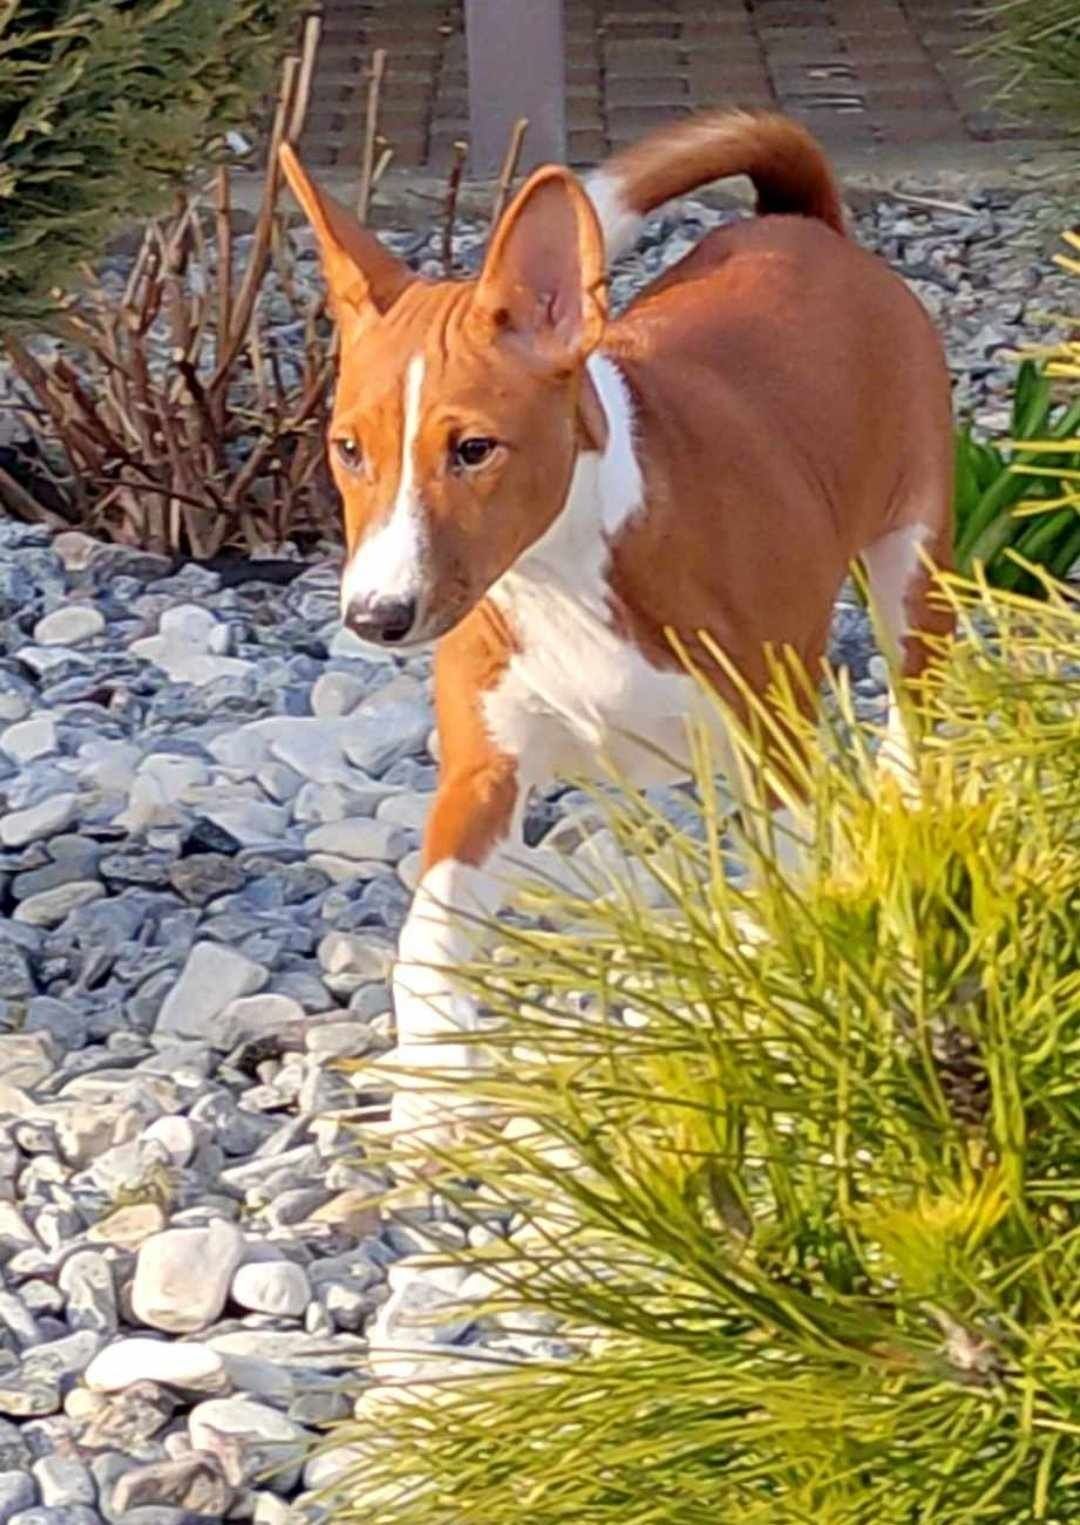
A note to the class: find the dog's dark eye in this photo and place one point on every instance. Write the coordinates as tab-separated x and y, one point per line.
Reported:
473	452
349	454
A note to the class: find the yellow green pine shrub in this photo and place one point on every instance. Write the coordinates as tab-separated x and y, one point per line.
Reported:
799	1171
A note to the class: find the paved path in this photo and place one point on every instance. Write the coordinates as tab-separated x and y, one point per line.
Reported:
862	73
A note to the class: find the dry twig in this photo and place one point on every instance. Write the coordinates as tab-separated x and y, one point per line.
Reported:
509	168
371	124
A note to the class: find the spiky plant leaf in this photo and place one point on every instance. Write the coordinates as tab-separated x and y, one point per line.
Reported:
718	1143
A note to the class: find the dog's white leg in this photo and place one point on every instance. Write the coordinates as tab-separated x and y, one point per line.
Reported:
436	1022
894	572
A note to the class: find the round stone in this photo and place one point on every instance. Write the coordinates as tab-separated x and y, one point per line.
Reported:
28	740
51	907
69	626
46	819
182	1276
186	1365
249	1440
176	1136
272	1286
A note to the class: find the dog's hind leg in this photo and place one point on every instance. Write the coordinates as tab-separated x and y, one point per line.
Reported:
909	619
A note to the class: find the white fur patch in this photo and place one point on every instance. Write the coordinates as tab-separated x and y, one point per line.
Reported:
891	564
390	561
577	693
618	221
439	935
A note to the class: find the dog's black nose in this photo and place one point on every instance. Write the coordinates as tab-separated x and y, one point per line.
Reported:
387	620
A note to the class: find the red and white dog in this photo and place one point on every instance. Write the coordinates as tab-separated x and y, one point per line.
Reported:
547	493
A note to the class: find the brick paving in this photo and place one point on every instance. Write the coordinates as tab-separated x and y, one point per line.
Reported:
859	72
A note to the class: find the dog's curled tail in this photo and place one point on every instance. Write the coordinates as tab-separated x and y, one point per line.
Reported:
788	168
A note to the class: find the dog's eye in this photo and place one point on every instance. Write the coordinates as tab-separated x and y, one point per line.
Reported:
473	452
349	454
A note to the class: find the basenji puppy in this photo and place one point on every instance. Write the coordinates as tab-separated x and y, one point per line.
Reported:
549	494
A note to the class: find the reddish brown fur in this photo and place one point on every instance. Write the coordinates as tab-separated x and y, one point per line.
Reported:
789	171
819	431
791	403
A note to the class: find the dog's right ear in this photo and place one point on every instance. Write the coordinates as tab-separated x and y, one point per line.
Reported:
364	278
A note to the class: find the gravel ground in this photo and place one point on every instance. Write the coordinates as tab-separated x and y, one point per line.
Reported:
213	805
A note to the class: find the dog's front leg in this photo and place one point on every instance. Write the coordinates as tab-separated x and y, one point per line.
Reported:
476	811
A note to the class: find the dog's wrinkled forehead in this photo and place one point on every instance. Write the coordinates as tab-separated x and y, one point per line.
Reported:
431	330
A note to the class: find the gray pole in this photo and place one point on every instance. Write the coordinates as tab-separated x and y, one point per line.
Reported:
517	68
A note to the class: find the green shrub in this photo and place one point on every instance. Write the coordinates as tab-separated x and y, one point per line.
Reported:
1021	496
801	1186
1017	503
104	105
1034	46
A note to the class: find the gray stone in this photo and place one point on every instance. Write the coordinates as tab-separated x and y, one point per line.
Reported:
257	1016
46	819
15	1233
379	735
361	838
17	1492
13	1101
51	907
278	781
158	790
26	1059
337	693
337	1040
369	1002
60	1360
310	747
301	986
274	1286
86	1279
249	1440
324	1091
182	1276
290	1348
213	977
319	1407
16	980
70	625
61	1514
268	1509
129	1419
64	1480
362	959
327	1467
253	823
18	1321
405	809
28	740
320	803
201	877
65	1023
24	1398
193	1482
176	1135
187	1366
14	1452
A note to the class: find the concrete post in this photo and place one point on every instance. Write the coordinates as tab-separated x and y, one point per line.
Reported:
517	67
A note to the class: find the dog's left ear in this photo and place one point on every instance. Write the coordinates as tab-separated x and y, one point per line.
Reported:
543	279
364	278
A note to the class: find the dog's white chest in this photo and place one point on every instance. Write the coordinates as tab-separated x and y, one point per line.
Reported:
577	696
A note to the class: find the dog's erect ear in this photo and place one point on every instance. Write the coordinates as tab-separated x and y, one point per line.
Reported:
364	278
543	279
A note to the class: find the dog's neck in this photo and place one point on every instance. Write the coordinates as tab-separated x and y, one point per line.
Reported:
606	491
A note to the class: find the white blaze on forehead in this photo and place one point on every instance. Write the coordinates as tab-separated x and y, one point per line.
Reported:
389	560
